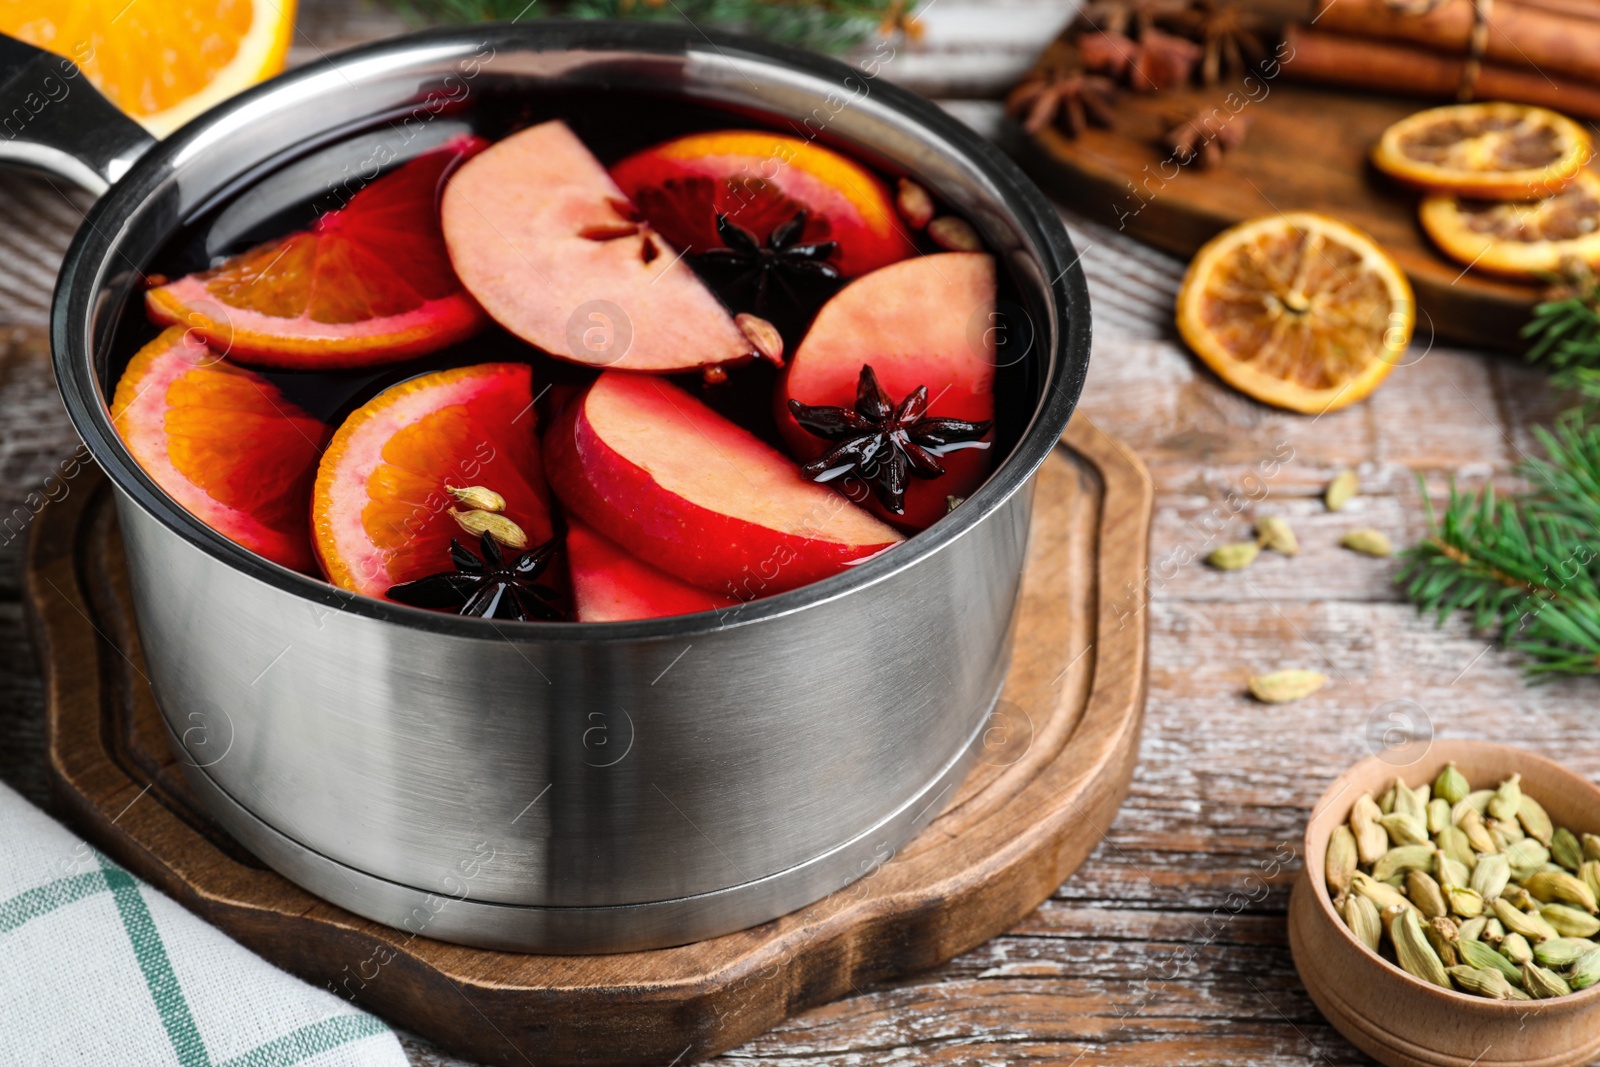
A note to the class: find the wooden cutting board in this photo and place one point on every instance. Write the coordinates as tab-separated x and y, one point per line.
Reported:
1054	767
1305	150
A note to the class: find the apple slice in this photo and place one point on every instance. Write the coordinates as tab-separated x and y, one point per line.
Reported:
920	322
543	238
703	499
609	585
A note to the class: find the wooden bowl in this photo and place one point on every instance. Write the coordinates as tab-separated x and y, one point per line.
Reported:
1403	1021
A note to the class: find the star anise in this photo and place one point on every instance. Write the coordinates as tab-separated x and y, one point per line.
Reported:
486	586
752	270
1202	139
1070	99
1230	34
1120	16
882	443
1154	62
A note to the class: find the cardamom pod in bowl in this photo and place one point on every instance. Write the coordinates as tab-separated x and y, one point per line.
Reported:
1486	886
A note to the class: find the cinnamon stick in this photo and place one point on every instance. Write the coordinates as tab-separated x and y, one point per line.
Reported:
1363	63
1519	35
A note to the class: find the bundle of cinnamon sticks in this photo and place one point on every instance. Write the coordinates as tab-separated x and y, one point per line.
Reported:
1544	52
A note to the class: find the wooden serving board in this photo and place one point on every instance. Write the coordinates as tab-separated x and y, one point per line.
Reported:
1054	769
1306	149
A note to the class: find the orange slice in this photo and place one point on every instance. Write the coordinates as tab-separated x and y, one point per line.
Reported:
161	61
369	283
1495	151
1519	239
381	507
1300	311
224	443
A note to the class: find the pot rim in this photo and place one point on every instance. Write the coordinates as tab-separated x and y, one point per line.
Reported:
87	263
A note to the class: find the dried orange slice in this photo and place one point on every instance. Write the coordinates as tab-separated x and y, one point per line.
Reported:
161	62
1519	238
224	443
1299	310
1495	151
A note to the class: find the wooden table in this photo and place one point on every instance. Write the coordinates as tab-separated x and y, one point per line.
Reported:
1168	947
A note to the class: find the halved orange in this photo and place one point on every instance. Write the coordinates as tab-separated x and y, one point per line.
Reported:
161	61
380	510
1519	238
1496	151
369	283
224	443
1297	310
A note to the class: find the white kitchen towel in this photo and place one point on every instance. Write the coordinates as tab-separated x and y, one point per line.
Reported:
98	968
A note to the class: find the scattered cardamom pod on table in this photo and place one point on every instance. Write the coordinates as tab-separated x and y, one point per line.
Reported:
1281	687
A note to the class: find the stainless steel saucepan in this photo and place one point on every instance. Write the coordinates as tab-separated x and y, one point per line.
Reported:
556	787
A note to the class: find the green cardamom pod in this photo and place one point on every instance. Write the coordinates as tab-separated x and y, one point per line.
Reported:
1565	849
1441	935
1233	557
1467	903
1397	861
1450	873
1407	801
1562	951
1543	984
1425	893
1516	949
1372	841
1508	830
1438	815
1477	800
1590	873
1453	843
1535	820
1559	887
1384	896
1386	802
1341	860
1405	829
1491	875
1273	532
1485	983
1479	955
1569	921
1478	837
1360	914
1526	857
1585	972
1341	490
1368	542
1494	931
1283	687
1531	926
1519	898
478	497
1413	952
1472	929
1591	846
1507	798
1451	785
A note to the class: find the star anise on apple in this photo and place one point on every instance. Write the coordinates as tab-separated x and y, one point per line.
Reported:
1154	62
884	443
1203	137
486	585
1231	35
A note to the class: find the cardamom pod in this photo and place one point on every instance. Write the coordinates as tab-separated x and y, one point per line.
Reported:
1283	687
1451	873
1471	930
1453	842
1543	984
1535	820
1404	829
1562	951
1368	542
1341	490
1490	876
954	234
1484	983
1507	798
1569	921
1441	934
1273	532
1508	830
1565	850
1586	971
1382	895
1516	949
1591	846
1234	557
1451	785
1341	860
1478	837
1494	931
1360	914
1402	858
1408	801
1467	903
502	529
1590	873
1386	802
762	336
476	496
1413	952
1425	893
1372	841
915	205
1477	800
1531	926
1526	857
1559	887
1479	955
1438	815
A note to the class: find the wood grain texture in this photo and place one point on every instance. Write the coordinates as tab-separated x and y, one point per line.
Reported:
1052	769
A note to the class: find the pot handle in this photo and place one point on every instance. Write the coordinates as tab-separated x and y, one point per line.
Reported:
52	119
